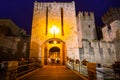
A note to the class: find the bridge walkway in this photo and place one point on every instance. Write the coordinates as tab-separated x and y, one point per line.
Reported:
51	72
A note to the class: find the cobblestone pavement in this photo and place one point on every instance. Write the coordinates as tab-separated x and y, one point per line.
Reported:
52	73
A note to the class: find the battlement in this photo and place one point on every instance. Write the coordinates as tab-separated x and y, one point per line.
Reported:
111	15
86	15
54	5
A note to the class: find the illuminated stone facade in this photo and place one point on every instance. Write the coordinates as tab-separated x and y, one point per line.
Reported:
61	15
76	36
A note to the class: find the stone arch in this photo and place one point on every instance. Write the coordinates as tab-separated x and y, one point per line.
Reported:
48	46
54	39
54	49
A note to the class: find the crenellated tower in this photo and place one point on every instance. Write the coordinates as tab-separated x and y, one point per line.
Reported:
111	15
86	26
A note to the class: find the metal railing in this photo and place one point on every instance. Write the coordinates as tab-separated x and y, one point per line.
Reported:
27	66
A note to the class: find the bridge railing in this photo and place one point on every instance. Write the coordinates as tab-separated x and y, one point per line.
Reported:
95	70
84	68
10	70
27	66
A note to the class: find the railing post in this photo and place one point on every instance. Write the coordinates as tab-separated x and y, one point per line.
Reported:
79	67
73	64
9	70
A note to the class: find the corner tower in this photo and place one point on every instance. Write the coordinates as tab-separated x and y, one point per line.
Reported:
52	22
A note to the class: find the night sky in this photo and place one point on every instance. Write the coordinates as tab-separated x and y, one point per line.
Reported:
21	11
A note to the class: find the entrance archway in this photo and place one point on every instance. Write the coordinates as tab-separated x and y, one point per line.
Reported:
54	55
53	51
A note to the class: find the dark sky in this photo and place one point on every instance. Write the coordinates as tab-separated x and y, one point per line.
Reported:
21	11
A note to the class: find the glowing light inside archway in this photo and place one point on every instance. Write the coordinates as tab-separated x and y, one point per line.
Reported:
55	42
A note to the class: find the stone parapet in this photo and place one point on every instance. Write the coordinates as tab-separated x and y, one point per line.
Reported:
111	15
86	15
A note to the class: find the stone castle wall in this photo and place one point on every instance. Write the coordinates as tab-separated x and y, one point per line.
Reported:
105	51
110	34
99	52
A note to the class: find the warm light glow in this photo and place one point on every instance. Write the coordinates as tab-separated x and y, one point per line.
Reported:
54	30
54	41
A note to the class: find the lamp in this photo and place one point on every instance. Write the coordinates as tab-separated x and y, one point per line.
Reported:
54	30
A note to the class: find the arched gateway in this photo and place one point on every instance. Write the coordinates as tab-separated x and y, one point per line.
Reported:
54	49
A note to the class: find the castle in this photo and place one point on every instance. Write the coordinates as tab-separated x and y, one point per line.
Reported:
58	33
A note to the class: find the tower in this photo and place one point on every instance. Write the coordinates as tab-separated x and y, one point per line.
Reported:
112	24
86	26
54	27
111	15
